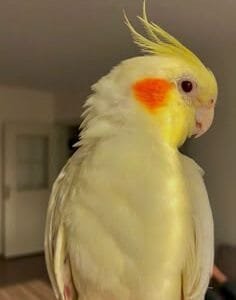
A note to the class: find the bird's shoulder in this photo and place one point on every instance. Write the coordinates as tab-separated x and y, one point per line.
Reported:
190	166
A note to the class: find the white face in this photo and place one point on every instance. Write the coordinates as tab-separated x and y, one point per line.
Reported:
191	93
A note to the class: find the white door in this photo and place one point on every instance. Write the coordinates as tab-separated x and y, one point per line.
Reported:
27	177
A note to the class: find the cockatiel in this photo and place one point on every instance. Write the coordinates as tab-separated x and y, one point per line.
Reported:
129	216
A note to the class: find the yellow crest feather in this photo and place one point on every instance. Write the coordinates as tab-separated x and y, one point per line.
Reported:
158	41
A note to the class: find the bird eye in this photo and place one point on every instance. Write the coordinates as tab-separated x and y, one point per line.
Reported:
187	86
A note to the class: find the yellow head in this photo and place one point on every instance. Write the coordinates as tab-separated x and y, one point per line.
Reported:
172	84
169	92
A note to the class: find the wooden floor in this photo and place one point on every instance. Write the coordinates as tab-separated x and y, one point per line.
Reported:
24	279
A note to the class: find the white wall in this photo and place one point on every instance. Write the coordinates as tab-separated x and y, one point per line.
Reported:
29	105
18	104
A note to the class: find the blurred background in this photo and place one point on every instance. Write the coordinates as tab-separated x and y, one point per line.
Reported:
51	52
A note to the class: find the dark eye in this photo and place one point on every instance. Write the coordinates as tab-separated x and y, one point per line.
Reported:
186	86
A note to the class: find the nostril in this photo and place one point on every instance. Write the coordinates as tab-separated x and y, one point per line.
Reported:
212	101
198	125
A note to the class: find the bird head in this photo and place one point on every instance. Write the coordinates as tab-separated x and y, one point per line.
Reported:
170	88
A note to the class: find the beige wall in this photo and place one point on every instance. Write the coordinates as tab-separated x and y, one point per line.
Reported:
18	104
68	107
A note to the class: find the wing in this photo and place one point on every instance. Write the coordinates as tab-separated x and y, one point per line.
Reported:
57	257
199	263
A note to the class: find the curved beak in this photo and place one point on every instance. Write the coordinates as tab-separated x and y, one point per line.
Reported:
203	118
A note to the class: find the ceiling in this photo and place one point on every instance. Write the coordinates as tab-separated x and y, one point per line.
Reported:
69	44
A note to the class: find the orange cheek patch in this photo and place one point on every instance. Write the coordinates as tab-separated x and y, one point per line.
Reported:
151	92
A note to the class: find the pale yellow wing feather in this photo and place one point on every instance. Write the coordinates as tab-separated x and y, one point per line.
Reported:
199	263
56	254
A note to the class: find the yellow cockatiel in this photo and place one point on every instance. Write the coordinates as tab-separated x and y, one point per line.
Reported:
129	217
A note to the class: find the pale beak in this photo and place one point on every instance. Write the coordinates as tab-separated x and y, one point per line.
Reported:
203	118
